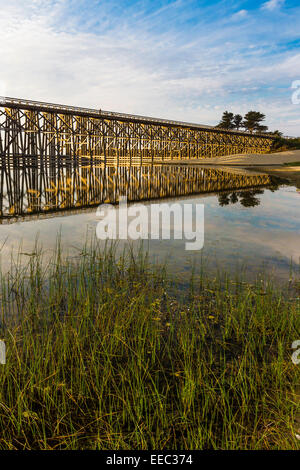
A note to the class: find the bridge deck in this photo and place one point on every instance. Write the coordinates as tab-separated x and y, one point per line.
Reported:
110	115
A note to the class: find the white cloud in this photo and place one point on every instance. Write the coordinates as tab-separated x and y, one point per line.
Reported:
46	56
240	15
272	5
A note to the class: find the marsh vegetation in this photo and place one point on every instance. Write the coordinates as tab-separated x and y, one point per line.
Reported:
107	352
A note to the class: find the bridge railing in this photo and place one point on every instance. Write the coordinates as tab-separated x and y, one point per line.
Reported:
31	104
7	101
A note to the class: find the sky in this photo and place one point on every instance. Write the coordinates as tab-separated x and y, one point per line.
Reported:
186	60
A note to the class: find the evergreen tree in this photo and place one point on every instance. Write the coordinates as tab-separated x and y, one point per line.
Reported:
238	121
226	121
252	122
277	133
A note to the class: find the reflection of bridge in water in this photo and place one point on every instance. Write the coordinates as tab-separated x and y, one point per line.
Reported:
27	189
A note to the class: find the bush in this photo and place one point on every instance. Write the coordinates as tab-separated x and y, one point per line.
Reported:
282	144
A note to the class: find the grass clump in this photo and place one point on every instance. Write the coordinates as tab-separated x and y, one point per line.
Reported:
101	355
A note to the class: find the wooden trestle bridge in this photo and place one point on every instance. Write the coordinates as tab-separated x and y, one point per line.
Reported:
40	131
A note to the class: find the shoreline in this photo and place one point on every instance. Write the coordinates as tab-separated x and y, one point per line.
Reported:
285	165
249	159
292	174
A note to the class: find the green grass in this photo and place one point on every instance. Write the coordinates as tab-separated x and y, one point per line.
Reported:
292	164
101	355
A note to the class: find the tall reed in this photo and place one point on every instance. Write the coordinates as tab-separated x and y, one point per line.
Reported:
102	354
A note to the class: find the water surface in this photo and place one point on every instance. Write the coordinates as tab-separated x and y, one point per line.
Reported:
251	221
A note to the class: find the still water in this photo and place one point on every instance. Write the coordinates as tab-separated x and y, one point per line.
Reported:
252	221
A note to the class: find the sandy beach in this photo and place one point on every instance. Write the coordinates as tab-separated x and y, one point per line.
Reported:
285	165
250	159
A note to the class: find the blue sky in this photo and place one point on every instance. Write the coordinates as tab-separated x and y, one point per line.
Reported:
184	59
